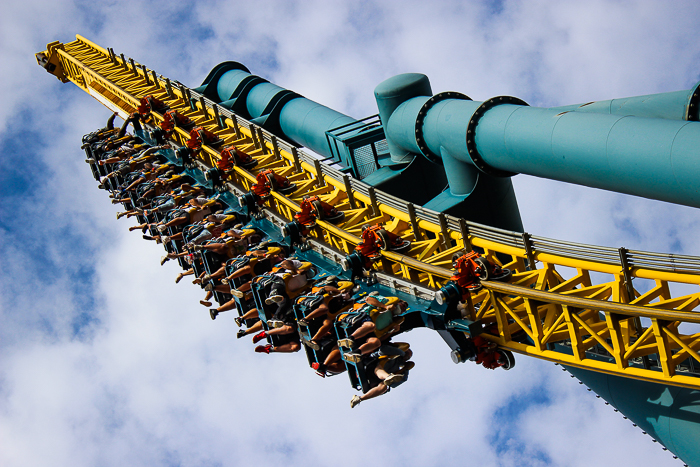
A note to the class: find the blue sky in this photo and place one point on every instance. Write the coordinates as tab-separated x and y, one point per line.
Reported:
105	361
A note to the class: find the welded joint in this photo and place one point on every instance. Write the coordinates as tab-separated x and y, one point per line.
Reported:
254	135
349	192
261	138
529	250
476	158
275	147
373	201
626	273
443	231
432	157
464	231
236	127
417	236
320	181
205	111
217	117
295	156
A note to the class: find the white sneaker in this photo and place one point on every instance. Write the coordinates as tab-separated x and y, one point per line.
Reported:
274	299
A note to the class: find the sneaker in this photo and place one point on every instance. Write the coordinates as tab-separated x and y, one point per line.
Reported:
311	344
163	259
119	214
237	293
206	278
165	239
213	313
302	322
259	336
208	287
352	357
162	228
355	401
198	248
90	161
147	237
320	369
392	379
239	321
264	348
347	343
240	333
274	299
275	323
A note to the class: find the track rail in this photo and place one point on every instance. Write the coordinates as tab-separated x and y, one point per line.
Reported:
607	326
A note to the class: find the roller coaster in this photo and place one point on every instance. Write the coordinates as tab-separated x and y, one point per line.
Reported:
456	259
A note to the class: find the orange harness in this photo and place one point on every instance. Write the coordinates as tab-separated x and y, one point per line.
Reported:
148	104
200	136
232	156
171	119
268	180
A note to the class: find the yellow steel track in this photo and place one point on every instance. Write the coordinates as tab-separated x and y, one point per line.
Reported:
605	326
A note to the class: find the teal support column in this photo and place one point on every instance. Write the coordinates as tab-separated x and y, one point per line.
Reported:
669	414
390	94
461	176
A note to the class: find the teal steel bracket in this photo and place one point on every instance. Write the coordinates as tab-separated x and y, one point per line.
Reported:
471	133
420	141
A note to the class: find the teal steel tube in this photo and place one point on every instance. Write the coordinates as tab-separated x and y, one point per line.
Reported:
652	158
228	82
306	122
301	120
649	157
260	96
676	105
